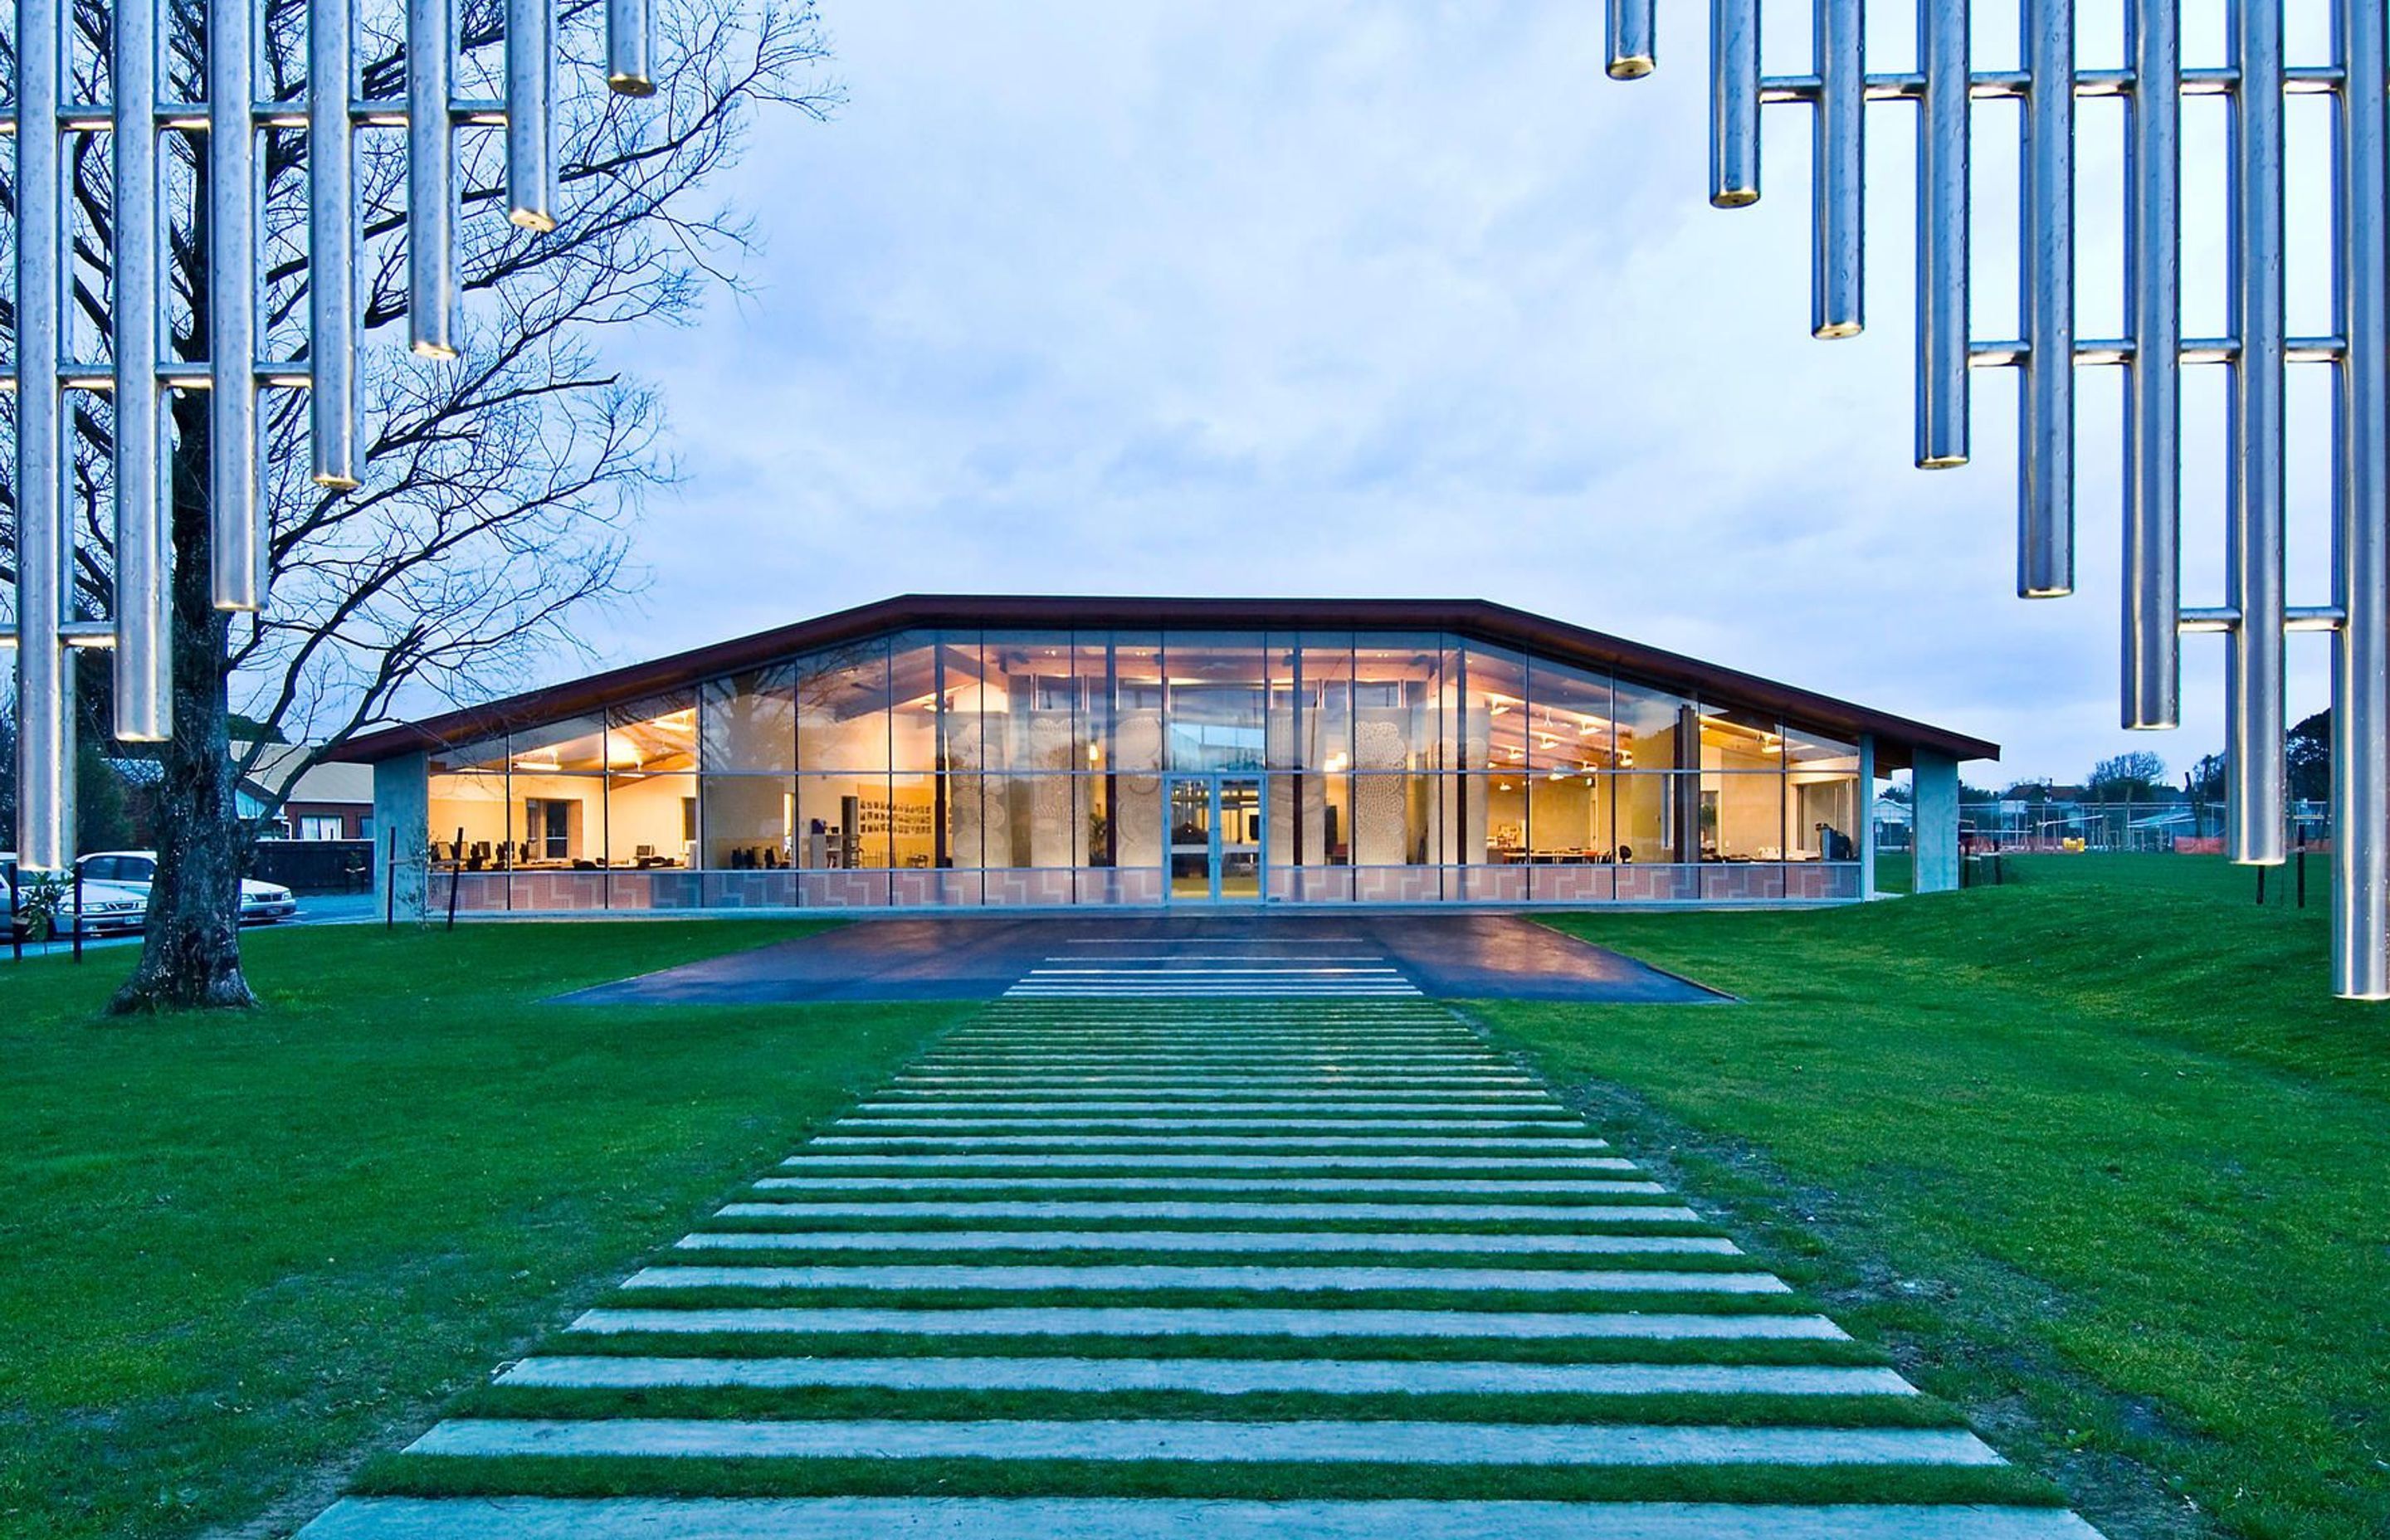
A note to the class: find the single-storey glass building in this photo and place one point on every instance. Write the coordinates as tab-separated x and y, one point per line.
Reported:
1025	752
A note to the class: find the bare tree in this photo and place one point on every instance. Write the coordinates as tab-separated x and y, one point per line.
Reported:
498	488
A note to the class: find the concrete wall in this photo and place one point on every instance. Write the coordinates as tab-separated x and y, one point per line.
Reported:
1866	816
1934	781
402	829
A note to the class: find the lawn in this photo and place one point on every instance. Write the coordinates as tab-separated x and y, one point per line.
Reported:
2093	1149
251	1250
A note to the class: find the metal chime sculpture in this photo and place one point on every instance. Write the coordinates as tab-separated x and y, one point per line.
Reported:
44	376
2255	614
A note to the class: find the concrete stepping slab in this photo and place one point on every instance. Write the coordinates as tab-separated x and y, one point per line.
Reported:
1608	1214
1318	1278
1455	1242
1221	1321
1526	1144
1164	1184
1160	1518
960	1097
1225	1161
1211	1376
1047	1112
1205	1125
1339	1443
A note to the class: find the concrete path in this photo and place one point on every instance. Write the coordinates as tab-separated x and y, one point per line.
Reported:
1337	959
1375	1283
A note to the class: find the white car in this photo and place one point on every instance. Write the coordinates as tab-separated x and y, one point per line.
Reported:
108	908
260	902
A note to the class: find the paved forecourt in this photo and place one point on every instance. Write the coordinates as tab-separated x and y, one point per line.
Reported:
1225	1264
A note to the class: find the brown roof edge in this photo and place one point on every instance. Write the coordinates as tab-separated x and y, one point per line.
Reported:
1897	737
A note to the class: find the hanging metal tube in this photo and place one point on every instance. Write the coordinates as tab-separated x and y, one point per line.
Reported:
1631	52
2046	432
1943	232
44	675
1734	103
144	662
237	544
2360	657
630	31
531	78
331	244
431	290
2153	467
1837	264
2253	516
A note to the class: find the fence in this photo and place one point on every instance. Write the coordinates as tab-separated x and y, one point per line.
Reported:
2183	827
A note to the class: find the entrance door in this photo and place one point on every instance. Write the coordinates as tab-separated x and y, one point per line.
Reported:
1237	848
1216	846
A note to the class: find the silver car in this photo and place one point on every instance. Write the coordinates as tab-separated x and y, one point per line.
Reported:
108	908
260	902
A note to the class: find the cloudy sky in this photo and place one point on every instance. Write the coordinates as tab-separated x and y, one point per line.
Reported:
1400	297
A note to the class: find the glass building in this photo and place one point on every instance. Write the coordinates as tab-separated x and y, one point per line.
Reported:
1017	752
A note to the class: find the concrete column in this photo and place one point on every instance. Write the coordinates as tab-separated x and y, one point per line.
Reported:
1934	782
401	824
1866	816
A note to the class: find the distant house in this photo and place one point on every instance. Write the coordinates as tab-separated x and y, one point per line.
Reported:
327	802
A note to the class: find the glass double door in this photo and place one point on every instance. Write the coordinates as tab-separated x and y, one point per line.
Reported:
1216	844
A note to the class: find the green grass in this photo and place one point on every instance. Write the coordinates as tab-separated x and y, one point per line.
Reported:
2094	1149
250	1248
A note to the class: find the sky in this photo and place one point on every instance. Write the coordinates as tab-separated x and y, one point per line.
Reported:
1405	297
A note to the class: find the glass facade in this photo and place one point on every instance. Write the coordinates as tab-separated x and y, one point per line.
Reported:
1044	767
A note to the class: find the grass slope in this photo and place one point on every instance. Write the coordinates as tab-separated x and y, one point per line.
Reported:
2094	1146
259	1244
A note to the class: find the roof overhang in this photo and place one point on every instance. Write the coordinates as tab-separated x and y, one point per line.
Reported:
1898	738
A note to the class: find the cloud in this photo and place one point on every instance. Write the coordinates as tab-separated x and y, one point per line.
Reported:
1308	297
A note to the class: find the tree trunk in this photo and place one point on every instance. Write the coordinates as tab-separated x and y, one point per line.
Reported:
190	952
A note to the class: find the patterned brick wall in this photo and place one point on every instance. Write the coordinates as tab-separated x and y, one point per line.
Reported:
842	889
1656	884
1397	884
1743	881
766	890
569	892
1822	880
1031	887
1572	884
1494	884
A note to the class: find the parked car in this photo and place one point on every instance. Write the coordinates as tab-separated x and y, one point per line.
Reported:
108	908
260	902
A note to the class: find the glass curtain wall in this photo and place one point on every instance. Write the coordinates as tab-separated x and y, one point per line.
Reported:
1029	767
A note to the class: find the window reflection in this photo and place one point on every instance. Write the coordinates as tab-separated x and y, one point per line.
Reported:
1045	751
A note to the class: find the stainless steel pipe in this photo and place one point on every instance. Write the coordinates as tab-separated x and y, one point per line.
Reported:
2361	656
2254	573
237	544
1631	52
1734	103
2256	613
44	536
2046	428
1944	218
1838	236
144	661
2153	462
49	626
331	243
433	300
